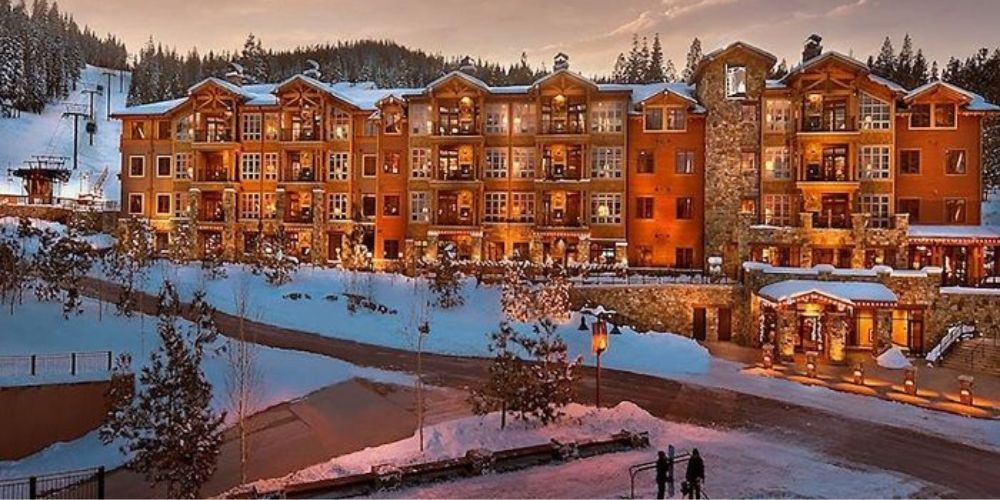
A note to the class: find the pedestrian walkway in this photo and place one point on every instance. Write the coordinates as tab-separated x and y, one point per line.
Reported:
936	387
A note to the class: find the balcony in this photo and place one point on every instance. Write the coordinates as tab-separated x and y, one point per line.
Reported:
301	135
210	174
561	219
460	173
306	174
561	172
299	215
212	212
213	136
831	220
563	127
457	128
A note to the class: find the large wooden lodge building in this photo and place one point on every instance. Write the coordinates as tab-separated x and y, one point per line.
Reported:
828	165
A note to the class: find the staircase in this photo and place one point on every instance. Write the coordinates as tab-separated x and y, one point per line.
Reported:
980	354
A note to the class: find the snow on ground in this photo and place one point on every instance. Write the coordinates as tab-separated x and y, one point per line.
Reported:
738	464
10	225
49	133
893	358
465	330
38	327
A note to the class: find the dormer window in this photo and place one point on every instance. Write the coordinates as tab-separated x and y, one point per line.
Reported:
391	121
938	115
736	82
944	115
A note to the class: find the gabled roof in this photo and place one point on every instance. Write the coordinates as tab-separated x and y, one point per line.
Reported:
975	102
461	75
824	57
846	292
644	92
151	109
711	56
228	86
571	74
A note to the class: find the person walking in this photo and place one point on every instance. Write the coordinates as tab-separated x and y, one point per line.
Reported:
661	474
695	474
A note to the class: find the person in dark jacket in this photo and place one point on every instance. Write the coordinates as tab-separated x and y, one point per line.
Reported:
661	474
695	474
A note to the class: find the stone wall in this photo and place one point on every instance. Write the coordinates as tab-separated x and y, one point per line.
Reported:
978	306
666	307
105	221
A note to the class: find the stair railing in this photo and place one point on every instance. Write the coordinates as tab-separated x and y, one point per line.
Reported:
953	336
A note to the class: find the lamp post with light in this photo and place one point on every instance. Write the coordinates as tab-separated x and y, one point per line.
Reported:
599	344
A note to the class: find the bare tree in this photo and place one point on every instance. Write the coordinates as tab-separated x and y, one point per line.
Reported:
243	380
418	329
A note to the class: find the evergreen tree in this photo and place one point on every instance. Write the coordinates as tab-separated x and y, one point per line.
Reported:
58	265
504	388
550	385
903	67
169	429
644	62
446	280
254	60
635	64
272	261
14	268
693	59
655	72
885	64
778	72
670	72
618	75
128	262
918	70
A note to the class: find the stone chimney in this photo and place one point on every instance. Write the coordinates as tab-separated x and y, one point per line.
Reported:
812	48
235	75
467	66
560	62
312	70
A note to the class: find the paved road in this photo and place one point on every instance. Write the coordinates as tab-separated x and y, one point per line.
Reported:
958	469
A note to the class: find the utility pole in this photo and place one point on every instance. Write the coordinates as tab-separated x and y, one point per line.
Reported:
73	110
109	74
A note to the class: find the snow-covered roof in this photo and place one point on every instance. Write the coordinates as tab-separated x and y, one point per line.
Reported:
891	85
230	86
774	84
848	292
930	232
644	92
976	102
153	108
556	73
461	75
830	54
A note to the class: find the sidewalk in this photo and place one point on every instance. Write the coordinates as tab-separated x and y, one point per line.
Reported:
937	387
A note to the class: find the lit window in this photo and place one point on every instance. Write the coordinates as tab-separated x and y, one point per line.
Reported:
736	82
606	117
420	119
778	209
340	125
874	113
496	119
496	207
340	166
419	208
523	207
182	166
777	164
249	205
496	163
524	118
420	163
954	162
778	115
685	162
337	206
874	162
524	163
877	206
606	163
250	166
605	208
270	166
251	127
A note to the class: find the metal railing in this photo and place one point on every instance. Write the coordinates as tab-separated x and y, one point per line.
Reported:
87	483
73	363
952	337
672	460
68	203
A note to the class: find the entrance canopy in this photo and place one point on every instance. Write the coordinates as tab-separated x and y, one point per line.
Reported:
850	293
954	235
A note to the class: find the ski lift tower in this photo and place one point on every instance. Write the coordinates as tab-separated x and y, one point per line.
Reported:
77	111
40	174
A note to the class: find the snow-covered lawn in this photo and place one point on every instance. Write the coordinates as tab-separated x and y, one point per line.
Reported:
464	331
738	464
49	133
38	327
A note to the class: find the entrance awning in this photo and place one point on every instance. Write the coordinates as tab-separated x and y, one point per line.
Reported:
953	234
851	293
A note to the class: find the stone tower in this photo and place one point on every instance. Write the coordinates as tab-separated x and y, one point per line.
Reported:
729	83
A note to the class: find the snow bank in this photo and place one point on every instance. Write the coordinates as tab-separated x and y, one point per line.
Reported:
38	327
10	224
893	358
459	331
738	464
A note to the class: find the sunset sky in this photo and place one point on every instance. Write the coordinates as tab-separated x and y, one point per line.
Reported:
592	32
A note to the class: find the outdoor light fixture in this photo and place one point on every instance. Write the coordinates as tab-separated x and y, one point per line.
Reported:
599	344
965	389
859	374
768	357
615	330
910	380
811	364
583	324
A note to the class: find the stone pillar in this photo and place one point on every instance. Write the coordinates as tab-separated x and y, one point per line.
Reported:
229	227
621	252
432	247
883	330
786	331
409	257
859	224
805	250
319	243
279	205
712	324
194	207
836	327
477	248
536	255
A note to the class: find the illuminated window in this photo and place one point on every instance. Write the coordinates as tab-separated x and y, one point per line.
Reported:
250	166
874	162
605	208
606	117
874	113
496	119
877	206
778	209
495	207
420	163
954	162
496	163
337	206
339	167
524	163
736	82
606	162
419	208
523	207
777	164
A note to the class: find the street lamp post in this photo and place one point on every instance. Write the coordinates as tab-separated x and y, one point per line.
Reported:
599	344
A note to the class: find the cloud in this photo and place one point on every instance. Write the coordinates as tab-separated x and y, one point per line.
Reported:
645	21
679	8
847	8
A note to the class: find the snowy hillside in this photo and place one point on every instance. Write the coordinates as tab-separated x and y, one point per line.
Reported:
51	134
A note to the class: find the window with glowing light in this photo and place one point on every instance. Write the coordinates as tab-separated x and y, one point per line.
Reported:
606	163
605	208
875	113
419	207
874	162
337	206
777	164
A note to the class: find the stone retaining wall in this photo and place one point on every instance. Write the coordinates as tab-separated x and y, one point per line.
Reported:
667	307
978	306
106	221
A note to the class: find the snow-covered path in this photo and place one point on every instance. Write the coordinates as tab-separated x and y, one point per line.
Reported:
49	133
